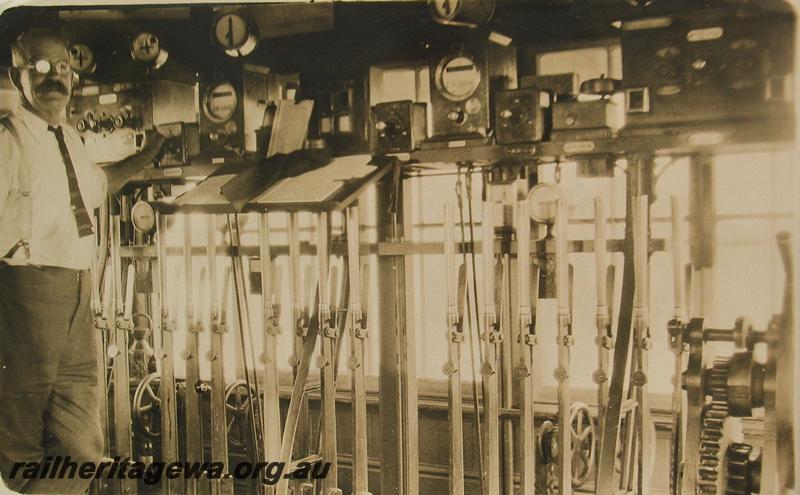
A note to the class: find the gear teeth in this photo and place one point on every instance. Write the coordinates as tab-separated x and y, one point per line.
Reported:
739	467
717	380
711	438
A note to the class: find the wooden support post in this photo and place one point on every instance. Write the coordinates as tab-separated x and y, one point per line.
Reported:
166	392
452	369
219	425
491	339
191	407
565	341
329	335
397	465
358	334
123	324
272	408
527	343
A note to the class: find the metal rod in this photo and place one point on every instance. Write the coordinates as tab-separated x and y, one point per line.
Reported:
491	337
642	341
166	392
358	332
452	369
272	407
527	341
329	335
676	345
564	344
603	340
122	310
216	313
194	435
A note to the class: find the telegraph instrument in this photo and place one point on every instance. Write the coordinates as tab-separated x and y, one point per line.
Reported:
706	67
221	116
461	82
398	126
599	117
522	115
112	117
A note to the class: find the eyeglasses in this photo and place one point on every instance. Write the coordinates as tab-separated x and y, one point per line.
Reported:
45	66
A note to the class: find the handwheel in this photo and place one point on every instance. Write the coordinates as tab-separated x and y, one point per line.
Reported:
584	441
238	399
147	406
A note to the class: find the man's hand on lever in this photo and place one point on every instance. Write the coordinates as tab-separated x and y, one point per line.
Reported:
120	173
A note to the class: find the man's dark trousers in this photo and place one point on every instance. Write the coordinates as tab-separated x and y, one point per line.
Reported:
49	386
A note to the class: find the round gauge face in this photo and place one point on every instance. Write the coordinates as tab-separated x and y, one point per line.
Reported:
145	47
446	9
81	58
231	31
542	202
220	101
457	78
143	217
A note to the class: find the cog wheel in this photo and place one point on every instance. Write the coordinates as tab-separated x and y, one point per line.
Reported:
743	471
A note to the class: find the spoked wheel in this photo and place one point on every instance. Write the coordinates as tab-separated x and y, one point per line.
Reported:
238	401
584	442
584	438
147	406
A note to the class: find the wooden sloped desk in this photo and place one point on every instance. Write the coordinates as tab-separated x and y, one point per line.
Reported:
332	187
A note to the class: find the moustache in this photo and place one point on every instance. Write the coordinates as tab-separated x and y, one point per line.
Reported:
51	85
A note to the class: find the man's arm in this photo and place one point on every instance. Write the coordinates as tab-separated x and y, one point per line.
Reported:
118	174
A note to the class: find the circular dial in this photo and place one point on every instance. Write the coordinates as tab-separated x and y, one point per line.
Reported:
457	78
81	58
542	202
231	31
143	217
145	47
447	9
220	101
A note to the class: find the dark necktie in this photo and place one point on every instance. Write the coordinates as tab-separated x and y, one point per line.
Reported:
76	200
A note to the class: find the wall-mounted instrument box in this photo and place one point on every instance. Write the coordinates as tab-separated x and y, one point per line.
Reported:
707	67
232	106
397	126
461	84
522	115
341	109
112	118
600	116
